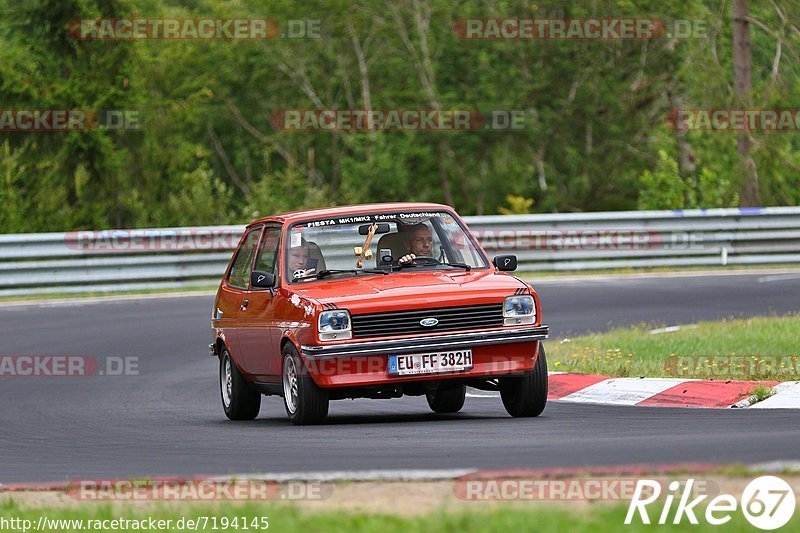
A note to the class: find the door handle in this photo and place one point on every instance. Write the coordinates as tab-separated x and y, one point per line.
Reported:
244	305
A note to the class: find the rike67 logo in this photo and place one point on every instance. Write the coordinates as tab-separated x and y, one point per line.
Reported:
767	502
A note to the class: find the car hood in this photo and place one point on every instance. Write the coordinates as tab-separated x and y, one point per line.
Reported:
419	289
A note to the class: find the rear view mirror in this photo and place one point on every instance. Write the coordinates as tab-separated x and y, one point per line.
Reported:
383	227
262	280
505	263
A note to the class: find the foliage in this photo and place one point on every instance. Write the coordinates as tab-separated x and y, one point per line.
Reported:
517	205
208	150
663	188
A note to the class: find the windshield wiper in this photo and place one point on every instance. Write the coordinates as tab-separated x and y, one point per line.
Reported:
459	265
433	262
329	272
324	273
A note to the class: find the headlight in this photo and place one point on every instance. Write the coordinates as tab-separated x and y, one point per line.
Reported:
334	325
518	310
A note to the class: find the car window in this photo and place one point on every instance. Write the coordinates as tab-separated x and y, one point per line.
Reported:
240	270
455	243
268	251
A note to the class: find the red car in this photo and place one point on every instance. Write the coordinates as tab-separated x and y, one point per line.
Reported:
374	301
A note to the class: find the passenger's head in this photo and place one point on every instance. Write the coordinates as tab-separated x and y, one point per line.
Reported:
298	256
419	239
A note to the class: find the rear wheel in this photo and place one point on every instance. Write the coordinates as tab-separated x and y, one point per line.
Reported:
526	396
305	402
447	398
238	400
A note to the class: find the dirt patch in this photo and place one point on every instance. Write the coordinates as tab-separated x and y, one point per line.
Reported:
414	498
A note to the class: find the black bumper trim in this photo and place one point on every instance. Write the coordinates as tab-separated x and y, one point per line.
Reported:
424	344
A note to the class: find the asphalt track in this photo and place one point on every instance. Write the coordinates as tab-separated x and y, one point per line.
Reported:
167	421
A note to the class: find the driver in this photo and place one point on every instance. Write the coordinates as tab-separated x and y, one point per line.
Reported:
418	242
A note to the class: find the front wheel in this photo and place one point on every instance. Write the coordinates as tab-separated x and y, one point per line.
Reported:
238	400
526	396
305	402
447	398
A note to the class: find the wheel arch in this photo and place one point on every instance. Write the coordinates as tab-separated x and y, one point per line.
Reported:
221	343
289	338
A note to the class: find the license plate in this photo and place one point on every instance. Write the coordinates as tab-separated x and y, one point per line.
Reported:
430	363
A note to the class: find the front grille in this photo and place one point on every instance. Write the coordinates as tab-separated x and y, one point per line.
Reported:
407	322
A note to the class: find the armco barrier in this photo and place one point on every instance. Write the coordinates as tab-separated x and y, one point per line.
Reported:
185	257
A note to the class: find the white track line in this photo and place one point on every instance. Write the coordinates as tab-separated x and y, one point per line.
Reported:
355	475
776	466
780	277
554	279
77	301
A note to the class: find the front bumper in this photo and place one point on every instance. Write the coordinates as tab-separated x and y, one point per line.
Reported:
427	344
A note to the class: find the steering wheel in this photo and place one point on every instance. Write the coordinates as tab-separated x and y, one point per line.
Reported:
426	261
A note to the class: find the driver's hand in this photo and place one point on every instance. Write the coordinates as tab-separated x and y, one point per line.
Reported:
406	258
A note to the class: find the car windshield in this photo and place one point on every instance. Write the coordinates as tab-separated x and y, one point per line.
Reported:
374	243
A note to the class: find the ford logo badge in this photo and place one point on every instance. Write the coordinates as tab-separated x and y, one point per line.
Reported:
428	322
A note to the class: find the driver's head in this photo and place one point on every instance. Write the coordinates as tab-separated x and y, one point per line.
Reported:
298	256
419	240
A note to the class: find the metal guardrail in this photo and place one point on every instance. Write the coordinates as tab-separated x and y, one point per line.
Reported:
188	257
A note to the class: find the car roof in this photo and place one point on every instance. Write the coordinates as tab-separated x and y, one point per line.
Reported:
346	210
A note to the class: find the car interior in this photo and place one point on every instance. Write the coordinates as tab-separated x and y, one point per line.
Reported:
315	257
390	241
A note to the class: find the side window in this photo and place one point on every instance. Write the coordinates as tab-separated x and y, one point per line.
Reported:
240	270
268	253
437	248
453	241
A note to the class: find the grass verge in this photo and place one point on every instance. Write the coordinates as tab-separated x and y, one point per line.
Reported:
764	348
596	518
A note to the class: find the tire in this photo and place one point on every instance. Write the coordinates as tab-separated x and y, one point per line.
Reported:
447	398
305	402
238	400
526	396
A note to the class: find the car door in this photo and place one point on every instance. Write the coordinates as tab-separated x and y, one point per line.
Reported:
258	334
233	290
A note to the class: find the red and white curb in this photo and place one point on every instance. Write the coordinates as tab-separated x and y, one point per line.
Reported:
787	396
665	392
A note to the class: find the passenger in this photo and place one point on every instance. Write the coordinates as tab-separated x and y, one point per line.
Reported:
299	259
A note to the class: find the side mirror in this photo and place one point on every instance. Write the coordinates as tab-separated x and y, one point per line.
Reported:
383	227
505	263
262	280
